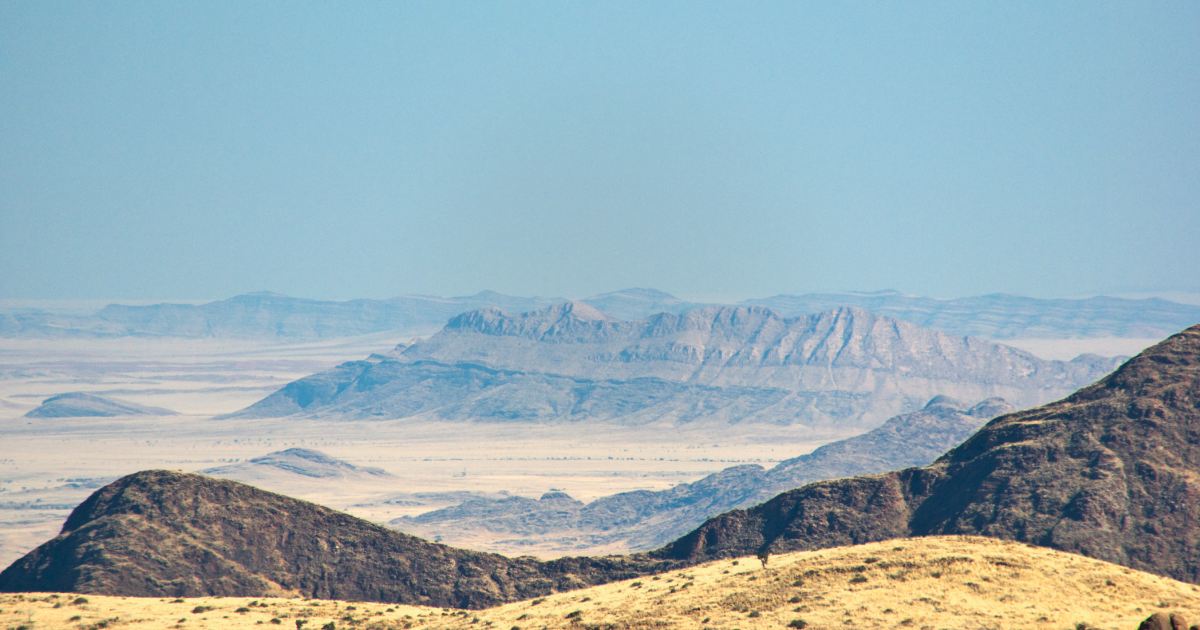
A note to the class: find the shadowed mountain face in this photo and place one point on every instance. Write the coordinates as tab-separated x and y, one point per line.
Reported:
1111	472
644	519
571	362
83	405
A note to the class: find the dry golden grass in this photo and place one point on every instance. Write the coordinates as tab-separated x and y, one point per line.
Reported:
937	582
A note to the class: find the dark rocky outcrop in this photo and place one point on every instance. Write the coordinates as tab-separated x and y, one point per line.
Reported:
1164	621
1111	472
161	533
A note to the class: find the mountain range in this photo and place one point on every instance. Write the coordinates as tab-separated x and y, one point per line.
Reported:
644	519
267	315
570	362
1111	472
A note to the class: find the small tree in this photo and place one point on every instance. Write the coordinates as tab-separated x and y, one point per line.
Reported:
764	555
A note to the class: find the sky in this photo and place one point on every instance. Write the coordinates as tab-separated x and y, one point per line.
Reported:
336	150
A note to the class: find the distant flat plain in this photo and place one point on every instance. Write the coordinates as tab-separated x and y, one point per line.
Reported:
48	465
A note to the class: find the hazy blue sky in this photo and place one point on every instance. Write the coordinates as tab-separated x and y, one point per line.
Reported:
166	149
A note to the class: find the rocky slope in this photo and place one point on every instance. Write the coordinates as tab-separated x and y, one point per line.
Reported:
1111	472
163	533
571	362
84	405
646	519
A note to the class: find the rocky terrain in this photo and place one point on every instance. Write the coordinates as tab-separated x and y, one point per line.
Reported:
930	582
645	519
570	362
1111	472
269	315
161	533
84	405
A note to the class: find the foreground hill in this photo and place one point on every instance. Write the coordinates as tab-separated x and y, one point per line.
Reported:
942	582
1111	472
84	405
570	362
175	534
641	520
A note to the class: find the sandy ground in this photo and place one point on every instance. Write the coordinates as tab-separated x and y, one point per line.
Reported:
47	466
927	583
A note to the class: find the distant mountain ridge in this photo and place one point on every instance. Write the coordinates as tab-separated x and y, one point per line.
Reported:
643	519
299	461
267	315
571	362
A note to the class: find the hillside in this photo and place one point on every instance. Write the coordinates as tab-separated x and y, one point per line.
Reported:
556	524
1111	472
571	362
941	582
161	533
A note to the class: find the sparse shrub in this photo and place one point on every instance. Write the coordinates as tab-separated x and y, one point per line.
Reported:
537	601
574	614
636	585
795	599
798	582
178	600
754	614
276	620
242	609
201	609
79	601
797	623
858	579
75	618
329	626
